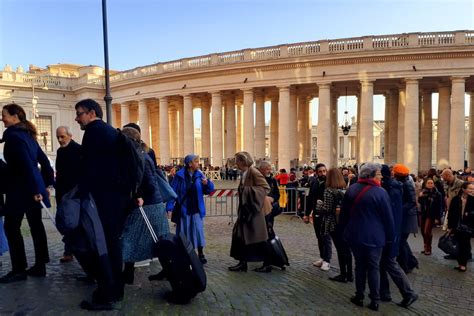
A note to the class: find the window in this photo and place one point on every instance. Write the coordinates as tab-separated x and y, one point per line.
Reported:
44	125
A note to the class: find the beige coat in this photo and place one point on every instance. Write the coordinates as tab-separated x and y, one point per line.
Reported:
255	188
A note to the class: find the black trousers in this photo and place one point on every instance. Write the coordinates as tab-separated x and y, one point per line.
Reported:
12	227
344	255
390	266
324	242
405	258
464	245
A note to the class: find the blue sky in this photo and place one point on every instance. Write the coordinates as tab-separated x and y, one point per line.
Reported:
142	32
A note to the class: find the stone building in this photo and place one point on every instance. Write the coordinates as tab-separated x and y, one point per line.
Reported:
231	88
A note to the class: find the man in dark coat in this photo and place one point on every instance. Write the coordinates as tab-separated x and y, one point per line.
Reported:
100	163
388	263
367	217
266	169
67	172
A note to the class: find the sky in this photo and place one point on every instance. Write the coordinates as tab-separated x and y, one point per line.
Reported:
142	32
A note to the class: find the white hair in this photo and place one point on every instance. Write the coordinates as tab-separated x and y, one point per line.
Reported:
369	169
66	128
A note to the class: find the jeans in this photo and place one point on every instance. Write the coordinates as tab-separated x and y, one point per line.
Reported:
367	267
324	242
390	266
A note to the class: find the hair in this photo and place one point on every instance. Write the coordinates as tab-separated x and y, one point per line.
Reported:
334	179
464	186
319	165
90	105
353	170
264	164
369	169
245	157
432	173
66	128
133	125
132	133
15	109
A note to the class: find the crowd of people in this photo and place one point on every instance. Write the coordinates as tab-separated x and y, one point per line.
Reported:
368	211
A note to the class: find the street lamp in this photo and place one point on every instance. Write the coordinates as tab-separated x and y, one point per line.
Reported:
34	100
346	120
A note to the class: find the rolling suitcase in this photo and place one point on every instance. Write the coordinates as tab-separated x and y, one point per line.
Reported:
181	264
278	253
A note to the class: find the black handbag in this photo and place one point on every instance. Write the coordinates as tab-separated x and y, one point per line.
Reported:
465	230
448	244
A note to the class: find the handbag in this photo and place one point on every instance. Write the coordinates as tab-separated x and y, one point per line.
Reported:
448	244
166	191
465	230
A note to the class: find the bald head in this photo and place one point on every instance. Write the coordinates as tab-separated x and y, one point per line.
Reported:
447	175
64	135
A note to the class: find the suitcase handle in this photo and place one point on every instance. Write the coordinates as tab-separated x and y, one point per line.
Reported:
51	217
148	224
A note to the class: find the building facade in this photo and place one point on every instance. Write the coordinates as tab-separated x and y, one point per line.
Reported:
231	89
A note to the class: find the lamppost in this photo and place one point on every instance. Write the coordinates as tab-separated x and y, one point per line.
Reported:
107	97
34	100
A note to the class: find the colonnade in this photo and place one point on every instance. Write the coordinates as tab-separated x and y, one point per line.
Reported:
233	120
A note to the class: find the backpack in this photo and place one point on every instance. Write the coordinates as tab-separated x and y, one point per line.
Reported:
131	164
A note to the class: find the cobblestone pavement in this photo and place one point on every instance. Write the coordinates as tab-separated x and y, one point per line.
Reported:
300	290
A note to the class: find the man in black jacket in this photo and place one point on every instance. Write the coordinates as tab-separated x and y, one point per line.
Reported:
67	172
99	168
266	169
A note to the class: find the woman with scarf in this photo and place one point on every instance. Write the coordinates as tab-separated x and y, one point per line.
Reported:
189	209
430	212
25	189
249	235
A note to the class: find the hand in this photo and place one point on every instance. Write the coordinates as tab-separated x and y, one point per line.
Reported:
306	219
270	199
168	214
38	197
204	181
139	201
351	176
436	221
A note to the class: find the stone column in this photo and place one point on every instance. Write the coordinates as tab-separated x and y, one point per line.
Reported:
216	158
124	114
309	129
324	125
248	126
144	122
366	126
393	97
401	125
357	137
334	130
114	116
205	130
471	132
302	128
239	127
188	125
283	123
411	133
444	114
387	129
164	132
180	113
260	125
174	133
426	132
293	125
230	137
274	129
457	125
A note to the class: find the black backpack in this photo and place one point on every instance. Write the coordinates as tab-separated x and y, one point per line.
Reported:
131	164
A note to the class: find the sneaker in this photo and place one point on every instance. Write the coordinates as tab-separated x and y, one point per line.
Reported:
325	266
318	263
144	263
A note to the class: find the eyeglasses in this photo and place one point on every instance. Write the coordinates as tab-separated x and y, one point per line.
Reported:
78	114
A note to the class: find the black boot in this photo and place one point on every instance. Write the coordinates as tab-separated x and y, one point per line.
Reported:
13	276
241	266
264	268
128	273
38	270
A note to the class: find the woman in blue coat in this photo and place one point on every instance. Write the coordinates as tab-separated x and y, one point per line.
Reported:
189	209
24	191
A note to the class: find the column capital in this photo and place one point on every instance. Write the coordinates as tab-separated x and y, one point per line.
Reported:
248	91
283	88
367	82
412	80
458	79
324	85
216	93
186	96
163	99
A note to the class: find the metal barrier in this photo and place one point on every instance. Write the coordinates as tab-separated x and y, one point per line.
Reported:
293	200
222	203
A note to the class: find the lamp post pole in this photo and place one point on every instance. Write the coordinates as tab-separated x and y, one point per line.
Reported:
108	97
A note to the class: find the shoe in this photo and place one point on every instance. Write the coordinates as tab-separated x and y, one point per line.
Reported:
13	277
66	259
263	269
460	269
427	253
373	306
339	278
325	266
450	257
96	306
203	259
407	301
160	276
144	263
37	271
357	301
241	266
318	263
